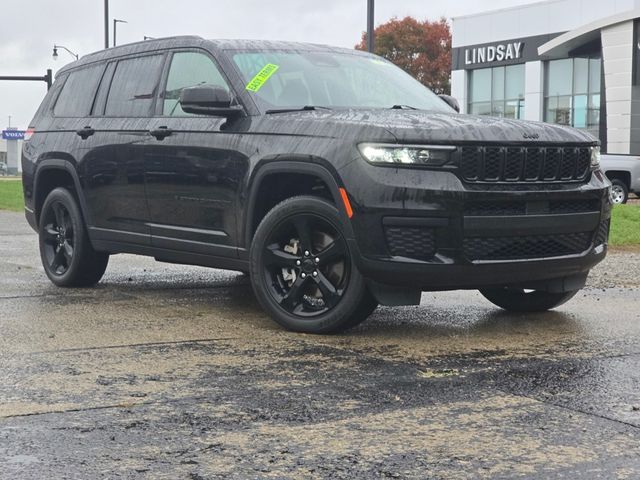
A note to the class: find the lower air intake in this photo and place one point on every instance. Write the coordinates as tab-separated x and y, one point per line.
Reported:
537	246
412	242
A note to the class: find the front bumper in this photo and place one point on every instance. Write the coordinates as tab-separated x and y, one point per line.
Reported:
539	274
428	230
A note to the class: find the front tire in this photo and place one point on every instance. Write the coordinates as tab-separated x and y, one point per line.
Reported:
67	256
302	271
519	300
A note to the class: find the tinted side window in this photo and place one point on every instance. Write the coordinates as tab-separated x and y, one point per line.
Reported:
189	69
76	97
134	86
103	90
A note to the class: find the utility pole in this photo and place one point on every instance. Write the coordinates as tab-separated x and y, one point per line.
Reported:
106	23
370	24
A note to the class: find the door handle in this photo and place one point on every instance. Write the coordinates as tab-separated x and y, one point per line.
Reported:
85	132
161	132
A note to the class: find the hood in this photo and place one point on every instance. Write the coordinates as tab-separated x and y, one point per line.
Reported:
410	126
444	128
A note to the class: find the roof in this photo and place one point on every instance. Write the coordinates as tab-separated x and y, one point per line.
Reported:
274	45
133	48
196	41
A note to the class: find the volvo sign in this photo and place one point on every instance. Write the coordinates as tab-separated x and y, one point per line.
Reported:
13	134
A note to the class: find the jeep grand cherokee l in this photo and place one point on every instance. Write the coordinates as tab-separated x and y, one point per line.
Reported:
333	178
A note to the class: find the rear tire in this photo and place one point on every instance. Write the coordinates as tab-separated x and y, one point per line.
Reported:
67	256
517	300
619	192
302	271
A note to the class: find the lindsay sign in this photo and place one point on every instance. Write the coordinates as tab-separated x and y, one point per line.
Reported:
493	53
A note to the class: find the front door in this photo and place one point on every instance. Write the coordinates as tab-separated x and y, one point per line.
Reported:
194	167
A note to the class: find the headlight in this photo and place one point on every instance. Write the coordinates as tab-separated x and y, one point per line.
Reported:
595	157
386	154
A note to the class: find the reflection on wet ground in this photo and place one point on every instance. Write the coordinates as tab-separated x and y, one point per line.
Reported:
165	371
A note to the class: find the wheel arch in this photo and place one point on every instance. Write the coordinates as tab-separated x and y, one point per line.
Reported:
621	175
53	173
288	168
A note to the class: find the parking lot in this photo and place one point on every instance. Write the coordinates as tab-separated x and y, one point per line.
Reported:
174	372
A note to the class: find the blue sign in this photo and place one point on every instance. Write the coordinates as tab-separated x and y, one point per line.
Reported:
13	134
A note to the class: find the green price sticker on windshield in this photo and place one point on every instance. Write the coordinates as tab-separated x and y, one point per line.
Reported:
262	76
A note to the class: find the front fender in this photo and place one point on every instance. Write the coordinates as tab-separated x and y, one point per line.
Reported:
303	164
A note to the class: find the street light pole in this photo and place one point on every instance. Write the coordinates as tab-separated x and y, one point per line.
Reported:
115	27
47	78
106	23
370	24
55	51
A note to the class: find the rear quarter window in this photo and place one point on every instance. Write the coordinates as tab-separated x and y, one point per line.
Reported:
134	87
78	92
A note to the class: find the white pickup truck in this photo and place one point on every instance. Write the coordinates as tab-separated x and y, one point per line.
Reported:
624	173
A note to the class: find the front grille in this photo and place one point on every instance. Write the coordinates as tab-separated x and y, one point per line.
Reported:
524	164
412	242
520	207
534	246
603	233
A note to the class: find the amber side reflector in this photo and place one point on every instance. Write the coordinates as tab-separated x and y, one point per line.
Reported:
347	203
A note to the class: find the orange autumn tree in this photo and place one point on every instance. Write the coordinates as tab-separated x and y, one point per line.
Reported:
422	49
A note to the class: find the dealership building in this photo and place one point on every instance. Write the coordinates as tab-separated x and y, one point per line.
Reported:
571	62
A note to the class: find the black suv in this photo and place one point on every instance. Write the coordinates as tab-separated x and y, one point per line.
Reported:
332	177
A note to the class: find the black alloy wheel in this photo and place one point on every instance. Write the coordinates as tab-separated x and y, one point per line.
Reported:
305	265
302	271
67	255
58	238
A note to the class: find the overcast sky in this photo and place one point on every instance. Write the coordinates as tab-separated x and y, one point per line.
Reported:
28	29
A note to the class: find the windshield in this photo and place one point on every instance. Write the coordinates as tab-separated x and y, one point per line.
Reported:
290	79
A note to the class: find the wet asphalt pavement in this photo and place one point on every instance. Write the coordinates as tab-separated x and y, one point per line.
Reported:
167	371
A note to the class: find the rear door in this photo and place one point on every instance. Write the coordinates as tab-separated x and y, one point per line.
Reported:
194	170
113	167
57	131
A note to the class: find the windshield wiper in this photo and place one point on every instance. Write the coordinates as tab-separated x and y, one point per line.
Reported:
403	107
306	108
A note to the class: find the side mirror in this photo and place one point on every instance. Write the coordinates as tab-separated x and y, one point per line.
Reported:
452	102
208	100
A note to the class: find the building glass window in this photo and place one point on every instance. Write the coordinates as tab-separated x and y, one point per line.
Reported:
498	91
572	94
